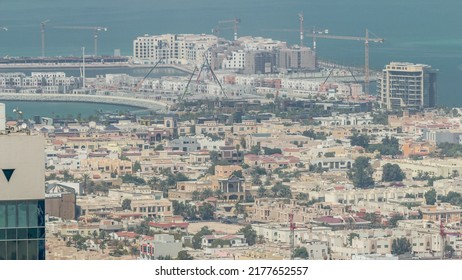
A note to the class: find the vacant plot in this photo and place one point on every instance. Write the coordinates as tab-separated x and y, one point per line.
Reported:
225	228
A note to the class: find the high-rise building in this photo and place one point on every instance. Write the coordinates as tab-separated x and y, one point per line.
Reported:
407	86
22	194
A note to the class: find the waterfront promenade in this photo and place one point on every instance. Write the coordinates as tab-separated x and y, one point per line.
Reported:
136	101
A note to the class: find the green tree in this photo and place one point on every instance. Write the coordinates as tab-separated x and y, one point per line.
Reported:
206	193
249	234
352	236
261	192
130	178
401	246
126	204
196	195
280	190
448	251
300	253
361	173
430	197
450	149
197	238
237	173
392	173
255	149
388	147
329	154
395	218
359	140
206	211
159	147
269	151
136	166
184	255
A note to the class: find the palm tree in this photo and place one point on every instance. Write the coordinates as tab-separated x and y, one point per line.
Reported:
196	195
206	193
219	193
85	178
261	191
102	246
238	209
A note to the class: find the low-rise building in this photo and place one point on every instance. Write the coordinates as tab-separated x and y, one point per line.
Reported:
161	245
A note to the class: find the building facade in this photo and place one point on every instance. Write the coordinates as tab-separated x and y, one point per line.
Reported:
407	86
22	197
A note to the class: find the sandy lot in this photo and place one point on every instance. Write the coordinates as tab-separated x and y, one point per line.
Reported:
226	228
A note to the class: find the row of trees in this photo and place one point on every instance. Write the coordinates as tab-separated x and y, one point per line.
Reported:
279	190
389	146
361	173
190	212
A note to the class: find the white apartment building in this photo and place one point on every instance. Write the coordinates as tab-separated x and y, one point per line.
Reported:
234	61
173	48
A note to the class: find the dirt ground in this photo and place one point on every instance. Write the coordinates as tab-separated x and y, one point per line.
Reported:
225	228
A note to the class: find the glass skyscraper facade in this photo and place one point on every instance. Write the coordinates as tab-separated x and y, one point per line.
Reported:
22	230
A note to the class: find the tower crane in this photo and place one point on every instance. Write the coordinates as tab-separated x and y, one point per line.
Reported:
443	234
96	30
292	227
42	31
366	41
301	19
234	21
323	35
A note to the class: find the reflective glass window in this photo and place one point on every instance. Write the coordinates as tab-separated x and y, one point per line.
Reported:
2	250
32	233
11	217
32	213
32	249
2	215
41	232
21	233
11	233
11	250
41	213
22	250
22	214
41	248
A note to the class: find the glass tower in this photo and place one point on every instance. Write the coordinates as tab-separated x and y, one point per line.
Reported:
22	230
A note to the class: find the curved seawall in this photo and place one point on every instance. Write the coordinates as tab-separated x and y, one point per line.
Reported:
117	100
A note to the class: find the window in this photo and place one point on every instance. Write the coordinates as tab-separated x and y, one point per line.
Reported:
11	218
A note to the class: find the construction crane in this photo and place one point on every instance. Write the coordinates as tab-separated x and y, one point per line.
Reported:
323	35
218	29
42	31
235	23
292	235
301	19
96	30
135	89
443	234
366	41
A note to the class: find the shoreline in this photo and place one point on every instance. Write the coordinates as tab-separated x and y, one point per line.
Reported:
80	98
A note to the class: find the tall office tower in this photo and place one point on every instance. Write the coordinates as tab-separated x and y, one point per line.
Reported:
22	194
407	86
